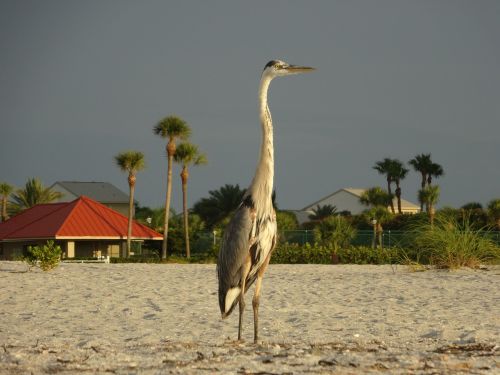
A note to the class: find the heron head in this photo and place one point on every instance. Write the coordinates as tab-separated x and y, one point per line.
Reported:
278	68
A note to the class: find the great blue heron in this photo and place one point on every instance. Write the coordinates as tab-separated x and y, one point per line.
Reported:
250	236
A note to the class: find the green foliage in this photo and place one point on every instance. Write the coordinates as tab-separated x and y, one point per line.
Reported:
219	205
46	256
368	255
33	193
130	161
317	254
295	254
334	232
494	212
286	221
188	154
322	212
454	243
377	197
172	127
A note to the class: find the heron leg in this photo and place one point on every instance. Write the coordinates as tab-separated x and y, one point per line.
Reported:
244	274
256	300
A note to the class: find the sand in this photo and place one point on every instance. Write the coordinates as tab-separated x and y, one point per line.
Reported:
161	319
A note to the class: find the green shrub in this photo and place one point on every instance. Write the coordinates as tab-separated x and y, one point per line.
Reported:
46	256
368	255
296	254
454	243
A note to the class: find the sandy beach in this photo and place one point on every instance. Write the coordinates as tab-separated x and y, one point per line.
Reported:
161	319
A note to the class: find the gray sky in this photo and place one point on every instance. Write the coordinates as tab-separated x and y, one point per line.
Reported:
81	81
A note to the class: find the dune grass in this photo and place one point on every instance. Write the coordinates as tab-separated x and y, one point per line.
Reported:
453	243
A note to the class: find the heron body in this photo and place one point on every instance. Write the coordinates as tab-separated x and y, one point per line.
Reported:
250	236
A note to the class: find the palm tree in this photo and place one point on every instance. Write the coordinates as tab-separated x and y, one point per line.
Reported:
422	163
5	190
33	193
187	154
379	200
435	170
131	162
399	173
173	128
429	195
376	197
219	205
386	168
320	213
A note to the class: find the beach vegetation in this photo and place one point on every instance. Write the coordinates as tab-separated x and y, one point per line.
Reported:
33	193
334	232
5	191
454	243
322	212
429	195
394	172
46	257
219	205
424	165
187	154
171	128
130	162
494	213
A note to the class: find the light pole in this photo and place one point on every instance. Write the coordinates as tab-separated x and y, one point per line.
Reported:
215	237
374	223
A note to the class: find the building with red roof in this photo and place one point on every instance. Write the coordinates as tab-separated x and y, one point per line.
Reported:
83	228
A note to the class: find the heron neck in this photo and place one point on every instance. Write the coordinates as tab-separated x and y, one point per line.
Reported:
261	188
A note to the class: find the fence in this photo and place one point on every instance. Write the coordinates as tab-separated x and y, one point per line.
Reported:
201	242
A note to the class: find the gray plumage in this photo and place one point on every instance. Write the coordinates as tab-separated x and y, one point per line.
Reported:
250	236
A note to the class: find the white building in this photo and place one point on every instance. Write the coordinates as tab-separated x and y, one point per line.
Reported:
347	199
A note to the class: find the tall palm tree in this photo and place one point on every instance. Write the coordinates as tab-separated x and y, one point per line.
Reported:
422	163
386	168
378	200
173	128
399	173
33	193
429	195
187	154
435	170
131	162
5	191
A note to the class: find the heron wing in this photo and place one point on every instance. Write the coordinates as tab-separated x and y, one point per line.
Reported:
234	252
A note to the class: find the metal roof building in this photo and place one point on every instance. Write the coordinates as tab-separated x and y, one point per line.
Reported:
83	228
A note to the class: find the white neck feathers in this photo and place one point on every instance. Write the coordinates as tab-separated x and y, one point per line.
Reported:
261	188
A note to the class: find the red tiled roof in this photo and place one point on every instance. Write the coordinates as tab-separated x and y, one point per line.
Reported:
82	218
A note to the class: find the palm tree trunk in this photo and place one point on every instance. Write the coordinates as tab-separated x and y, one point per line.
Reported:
4	208
184	177
422	185
170	153
131	183
398	195
390	193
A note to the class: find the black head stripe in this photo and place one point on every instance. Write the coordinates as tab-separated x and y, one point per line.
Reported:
271	63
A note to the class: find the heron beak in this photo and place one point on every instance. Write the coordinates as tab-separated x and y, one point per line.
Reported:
294	69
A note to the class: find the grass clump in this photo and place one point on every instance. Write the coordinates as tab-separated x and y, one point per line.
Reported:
453	243
47	256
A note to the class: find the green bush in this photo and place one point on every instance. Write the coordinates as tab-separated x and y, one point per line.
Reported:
368	255
296	254
46	256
